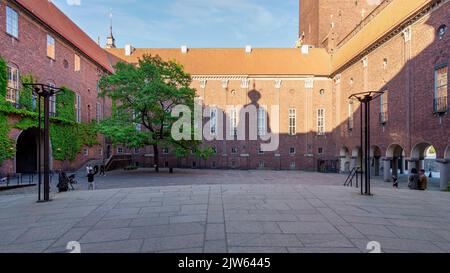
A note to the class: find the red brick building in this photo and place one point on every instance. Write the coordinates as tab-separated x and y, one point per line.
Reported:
400	47
37	39
396	46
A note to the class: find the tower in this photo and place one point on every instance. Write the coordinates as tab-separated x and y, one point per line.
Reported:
110	41
325	23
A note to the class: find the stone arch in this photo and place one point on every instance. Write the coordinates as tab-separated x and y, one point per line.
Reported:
375	155
394	150
419	150
345	160
394	163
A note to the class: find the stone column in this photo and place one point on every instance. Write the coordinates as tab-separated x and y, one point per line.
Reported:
353	163
395	166
376	167
387	169
444	166
403	167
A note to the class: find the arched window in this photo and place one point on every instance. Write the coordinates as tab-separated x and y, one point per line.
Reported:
441	31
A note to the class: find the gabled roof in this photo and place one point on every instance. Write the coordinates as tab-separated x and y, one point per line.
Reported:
54	18
235	61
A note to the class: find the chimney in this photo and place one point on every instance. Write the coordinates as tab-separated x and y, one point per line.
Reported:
184	49
248	49
129	49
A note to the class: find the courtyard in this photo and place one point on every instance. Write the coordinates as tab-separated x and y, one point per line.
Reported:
207	211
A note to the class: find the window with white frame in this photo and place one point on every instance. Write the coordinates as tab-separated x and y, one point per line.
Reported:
78	107
119	150
50	47
262	121
12	92
234	121
321	122
441	89
52	101
213	122
12	22
98	112
165	151
292	122
234	150
86	152
292	151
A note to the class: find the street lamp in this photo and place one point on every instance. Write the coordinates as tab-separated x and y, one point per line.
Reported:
46	92
365	99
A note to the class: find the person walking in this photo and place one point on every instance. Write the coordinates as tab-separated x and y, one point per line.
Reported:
423	181
91	178
414	179
395	180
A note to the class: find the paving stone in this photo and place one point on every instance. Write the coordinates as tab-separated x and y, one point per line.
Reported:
260	250
110	224
106	235
152	221
265	240
324	250
32	247
307	227
325	241
218	246
42	233
173	243
215	232
375	230
168	230
128	246
252	227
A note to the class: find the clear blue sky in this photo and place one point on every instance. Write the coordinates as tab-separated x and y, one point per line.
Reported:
197	23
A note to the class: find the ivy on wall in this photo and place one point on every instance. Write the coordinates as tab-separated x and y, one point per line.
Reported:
67	136
3	78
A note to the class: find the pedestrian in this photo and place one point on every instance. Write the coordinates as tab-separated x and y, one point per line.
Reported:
414	179
102	170
89	168
395	179
423	181
91	179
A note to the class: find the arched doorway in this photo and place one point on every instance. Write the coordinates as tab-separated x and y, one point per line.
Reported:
394	162
345	160
423	157
357	158
375	155
27	151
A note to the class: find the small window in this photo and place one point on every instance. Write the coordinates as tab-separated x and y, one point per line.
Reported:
260	151
442	30
86	152
262	121
214	149
322	92
165	151
292	151
12	22
12	91
234	150
50	47
321	122
100	152
77	63
320	151
292	122
137	151
52	101
66	64
119	150
98	112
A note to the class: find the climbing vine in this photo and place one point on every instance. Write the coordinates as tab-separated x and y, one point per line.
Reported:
26	93
6	143
3	78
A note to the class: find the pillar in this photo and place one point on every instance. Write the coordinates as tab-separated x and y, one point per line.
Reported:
444	166
387	169
403	166
376	167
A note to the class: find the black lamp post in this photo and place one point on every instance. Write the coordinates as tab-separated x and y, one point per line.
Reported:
45	92
365	98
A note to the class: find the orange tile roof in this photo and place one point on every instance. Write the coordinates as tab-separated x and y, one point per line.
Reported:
234	61
393	15
48	13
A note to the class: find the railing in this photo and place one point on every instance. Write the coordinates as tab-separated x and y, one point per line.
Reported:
19	179
383	118
440	105
354	175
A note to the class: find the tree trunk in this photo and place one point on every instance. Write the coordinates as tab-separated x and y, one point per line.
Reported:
156	157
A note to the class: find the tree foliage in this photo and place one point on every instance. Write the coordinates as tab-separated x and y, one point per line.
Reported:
144	96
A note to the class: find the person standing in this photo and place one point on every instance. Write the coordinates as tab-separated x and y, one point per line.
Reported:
91	178
423	181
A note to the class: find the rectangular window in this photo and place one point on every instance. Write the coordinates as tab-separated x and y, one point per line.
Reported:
12	92
292	122
86	152
78	107
77	63
262	121
52	102
137	151
234	121
98	112
384	108
441	89
320	151
213	122
234	150
119	150
321	122
12	22
50	47
165	151
351	111
292	151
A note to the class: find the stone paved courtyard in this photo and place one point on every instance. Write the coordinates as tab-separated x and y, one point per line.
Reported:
270	216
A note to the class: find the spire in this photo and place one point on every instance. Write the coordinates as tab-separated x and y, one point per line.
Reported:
110	41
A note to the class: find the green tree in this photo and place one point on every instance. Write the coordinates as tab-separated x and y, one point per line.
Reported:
143	96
